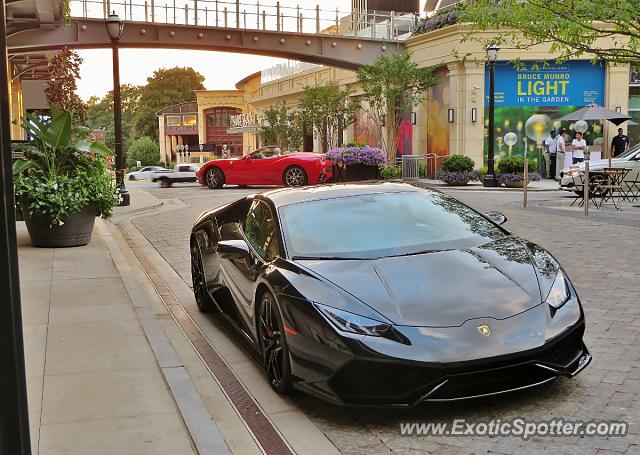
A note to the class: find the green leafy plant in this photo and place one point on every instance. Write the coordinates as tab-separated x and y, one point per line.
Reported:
512	165
390	172
457	163
62	172
282	127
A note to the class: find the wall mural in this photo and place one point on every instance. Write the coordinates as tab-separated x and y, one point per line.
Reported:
366	130
529	100
437	123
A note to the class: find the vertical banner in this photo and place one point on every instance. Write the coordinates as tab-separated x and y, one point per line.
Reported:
531	97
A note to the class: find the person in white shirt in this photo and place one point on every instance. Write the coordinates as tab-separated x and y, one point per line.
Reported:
550	147
578	145
560	149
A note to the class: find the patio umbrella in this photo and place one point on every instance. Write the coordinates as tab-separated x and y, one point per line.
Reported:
595	112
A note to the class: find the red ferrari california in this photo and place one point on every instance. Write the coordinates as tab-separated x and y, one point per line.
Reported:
267	166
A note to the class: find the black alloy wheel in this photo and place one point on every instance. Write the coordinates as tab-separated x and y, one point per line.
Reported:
205	304
295	176
214	178
273	345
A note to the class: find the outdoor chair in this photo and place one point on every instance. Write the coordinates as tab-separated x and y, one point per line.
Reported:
611	186
632	187
594	191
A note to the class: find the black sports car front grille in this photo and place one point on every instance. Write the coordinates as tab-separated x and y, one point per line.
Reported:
364	381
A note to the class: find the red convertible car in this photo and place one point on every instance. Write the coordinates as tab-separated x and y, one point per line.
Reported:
267	166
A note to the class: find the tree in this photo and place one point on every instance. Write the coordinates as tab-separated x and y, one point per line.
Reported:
145	150
100	112
165	88
606	29
327	109
282	128
64	70
391	86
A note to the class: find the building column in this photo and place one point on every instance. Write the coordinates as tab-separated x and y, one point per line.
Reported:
174	144
472	94
456	143
419	130
616	95
17	109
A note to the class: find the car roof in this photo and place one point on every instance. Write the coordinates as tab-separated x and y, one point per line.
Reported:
288	196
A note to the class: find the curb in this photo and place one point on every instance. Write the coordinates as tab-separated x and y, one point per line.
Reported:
432	186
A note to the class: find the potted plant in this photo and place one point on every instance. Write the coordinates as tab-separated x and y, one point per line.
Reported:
511	172
457	170
357	162
62	183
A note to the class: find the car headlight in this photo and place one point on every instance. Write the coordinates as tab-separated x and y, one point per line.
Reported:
353	323
559	293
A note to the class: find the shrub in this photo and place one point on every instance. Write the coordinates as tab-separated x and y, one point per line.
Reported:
482	173
457	163
422	170
513	177
390	172
512	165
355	144
145	150
366	155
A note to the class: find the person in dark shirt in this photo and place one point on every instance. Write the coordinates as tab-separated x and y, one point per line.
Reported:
620	143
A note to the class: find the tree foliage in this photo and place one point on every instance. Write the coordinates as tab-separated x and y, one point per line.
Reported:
282	127
64	70
145	150
606	29
165	88
100	112
327	109
391	86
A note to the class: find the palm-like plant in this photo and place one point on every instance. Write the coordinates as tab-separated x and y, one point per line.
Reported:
62	172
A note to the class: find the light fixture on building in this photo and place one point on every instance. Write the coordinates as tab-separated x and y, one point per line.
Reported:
414	118
619	110
451	115
474	114
492	52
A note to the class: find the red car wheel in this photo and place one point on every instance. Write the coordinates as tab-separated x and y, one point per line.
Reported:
214	178
295	176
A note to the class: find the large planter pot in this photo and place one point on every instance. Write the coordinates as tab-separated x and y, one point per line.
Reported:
358	172
76	230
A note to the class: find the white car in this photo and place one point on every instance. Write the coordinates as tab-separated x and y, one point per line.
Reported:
629	160
145	173
181	173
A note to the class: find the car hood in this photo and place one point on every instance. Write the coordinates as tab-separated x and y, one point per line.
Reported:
441	289
601	164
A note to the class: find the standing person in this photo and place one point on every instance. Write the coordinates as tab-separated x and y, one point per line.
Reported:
578	145
550	148
560	149
619	144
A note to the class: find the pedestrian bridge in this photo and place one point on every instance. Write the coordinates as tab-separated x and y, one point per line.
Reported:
311	34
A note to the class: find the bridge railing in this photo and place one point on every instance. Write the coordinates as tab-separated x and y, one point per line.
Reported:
387	25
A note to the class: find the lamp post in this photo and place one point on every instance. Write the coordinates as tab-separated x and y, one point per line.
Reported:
114	28
490	178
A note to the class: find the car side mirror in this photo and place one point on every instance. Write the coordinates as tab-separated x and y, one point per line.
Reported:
233	249
496	217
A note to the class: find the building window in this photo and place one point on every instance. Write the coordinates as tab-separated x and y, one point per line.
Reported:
189	120
173	120
634	112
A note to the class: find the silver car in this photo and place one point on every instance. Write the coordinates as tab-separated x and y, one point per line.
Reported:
628	160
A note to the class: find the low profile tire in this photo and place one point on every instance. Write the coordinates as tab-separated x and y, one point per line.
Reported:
273	345
132	178
295	176
214	178
165	183
203	300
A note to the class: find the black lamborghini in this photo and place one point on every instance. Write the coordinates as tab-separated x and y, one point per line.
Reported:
386	294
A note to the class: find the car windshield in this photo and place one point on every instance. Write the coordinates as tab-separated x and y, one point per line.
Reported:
632	151
382	225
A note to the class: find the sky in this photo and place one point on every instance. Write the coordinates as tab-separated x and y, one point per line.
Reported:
221	69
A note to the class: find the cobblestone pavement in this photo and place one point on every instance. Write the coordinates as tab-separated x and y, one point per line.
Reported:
601	256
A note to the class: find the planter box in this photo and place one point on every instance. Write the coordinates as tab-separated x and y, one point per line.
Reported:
359	172
76	230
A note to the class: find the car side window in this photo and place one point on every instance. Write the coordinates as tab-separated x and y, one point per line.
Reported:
260	230
145	169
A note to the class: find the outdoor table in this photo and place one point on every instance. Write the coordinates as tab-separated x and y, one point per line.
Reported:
609	182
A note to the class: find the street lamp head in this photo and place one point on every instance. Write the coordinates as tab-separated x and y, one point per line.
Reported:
492	52
115	25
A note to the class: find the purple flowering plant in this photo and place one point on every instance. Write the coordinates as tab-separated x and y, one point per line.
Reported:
350	155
